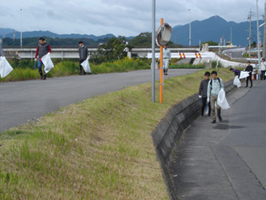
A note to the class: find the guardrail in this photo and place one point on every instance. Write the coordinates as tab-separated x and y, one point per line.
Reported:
64	53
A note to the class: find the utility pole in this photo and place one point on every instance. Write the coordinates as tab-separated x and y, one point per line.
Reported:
153	49
231	36
258	33
21	28
189	27
249	38
264	38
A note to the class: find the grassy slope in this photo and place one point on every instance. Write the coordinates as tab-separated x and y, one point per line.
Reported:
100	148
67	68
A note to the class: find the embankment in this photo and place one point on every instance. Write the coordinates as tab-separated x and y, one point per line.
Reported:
167	134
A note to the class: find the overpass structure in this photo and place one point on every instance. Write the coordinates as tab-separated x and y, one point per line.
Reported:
64	53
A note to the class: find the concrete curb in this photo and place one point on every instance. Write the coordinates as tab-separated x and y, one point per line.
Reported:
169	131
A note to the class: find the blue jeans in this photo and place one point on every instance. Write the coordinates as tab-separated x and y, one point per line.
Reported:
40	64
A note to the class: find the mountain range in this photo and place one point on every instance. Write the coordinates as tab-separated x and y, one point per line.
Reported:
211	29
214	28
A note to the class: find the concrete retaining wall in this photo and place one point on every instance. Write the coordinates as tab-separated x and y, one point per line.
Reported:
170	129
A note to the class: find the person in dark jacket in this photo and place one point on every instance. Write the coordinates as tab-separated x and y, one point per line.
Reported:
236	72
83	54
203	93
249	69
42	49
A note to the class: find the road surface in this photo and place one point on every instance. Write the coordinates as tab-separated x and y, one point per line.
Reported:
27	100
226	160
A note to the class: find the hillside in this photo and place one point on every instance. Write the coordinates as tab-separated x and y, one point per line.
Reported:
213	29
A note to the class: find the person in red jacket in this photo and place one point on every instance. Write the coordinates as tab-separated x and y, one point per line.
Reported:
42	49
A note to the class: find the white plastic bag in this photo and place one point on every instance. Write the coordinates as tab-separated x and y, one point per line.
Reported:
221	100
237	82
243	75
86	65
5	67
48	64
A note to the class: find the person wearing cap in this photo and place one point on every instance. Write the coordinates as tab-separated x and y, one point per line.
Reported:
249	69
236	72
262	69
83	54
203	93
42	49
214	87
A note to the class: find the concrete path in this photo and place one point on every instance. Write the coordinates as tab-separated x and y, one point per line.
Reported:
226	160
25	100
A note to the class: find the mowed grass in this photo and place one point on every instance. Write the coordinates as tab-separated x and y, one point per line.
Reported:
100	148
67	68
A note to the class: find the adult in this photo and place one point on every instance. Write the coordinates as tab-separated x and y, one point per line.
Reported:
249	69
214	87
203	93
262	69
42	49
83	54
236	72
166	58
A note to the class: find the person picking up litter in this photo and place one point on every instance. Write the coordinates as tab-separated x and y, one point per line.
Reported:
249	69
214	87
203	93
42	49
236	72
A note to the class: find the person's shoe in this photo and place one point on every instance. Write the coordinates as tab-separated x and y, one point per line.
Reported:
165	74
41	78
246	86
214	121
44	77
250	86
220	119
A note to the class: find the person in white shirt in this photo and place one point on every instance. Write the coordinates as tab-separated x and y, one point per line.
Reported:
262	69
166	59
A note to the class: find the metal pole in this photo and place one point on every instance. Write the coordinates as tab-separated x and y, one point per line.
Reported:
264	38
153	50
21	28
258	34
161	70
231	36
189	27
249	34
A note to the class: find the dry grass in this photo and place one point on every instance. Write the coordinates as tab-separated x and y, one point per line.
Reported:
100	148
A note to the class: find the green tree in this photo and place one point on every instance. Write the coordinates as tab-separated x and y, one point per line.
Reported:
210	43
113	49
143	39
254	44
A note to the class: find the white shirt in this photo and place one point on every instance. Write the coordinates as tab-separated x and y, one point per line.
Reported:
262	66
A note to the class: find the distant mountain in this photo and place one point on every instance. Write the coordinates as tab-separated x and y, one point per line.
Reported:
30	34
213	29
6	31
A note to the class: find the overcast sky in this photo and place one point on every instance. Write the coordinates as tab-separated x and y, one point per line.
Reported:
119	17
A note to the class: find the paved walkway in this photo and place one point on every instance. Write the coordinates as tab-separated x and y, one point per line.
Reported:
27	100
226	160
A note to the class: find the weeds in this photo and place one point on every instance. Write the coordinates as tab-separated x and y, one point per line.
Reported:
100	148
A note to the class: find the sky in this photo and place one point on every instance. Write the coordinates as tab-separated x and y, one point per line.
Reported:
119	17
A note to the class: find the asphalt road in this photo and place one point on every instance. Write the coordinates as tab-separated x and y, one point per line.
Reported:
27	100
226	160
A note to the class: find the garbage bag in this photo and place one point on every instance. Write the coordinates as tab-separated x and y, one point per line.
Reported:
48	64
5	67
243	75
86	65
237	82
221	100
